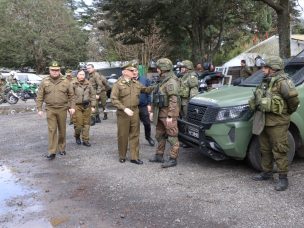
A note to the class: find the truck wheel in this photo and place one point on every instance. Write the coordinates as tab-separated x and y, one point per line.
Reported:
254	154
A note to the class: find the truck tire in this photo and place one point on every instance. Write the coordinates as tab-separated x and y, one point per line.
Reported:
254	154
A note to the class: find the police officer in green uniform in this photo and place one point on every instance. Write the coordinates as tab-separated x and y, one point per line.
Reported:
165	102
103	97
125	97
274	100
57	93
188	87
85	99
68	76
95	80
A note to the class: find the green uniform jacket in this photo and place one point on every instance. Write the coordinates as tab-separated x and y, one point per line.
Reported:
95	80
126	94
84	92
189	86
283	87
105	86
56	93
170	87
245	71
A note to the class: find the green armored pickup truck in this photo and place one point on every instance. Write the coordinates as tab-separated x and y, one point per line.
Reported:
219	122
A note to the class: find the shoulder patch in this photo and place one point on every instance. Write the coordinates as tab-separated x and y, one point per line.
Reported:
170	87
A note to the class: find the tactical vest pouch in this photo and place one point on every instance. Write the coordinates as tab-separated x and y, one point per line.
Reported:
277	105
155	98
265	104
193	92
184	91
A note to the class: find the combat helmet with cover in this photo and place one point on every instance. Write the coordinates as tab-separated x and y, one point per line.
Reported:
164	64
187	64
274	62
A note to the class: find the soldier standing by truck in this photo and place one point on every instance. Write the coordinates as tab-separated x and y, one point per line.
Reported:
189	86
275	99
165	113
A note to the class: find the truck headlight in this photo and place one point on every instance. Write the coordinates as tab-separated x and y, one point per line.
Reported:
232	113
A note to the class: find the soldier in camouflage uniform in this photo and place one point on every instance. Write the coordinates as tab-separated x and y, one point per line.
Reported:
189	86
57	93
165	103
85	99
96	82
275	99
125	97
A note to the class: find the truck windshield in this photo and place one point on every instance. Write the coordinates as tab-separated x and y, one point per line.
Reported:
295	73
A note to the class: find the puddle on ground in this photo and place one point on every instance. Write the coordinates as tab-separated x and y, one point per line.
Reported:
9	188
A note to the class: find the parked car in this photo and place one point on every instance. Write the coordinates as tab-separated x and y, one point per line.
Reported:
28	78
219	122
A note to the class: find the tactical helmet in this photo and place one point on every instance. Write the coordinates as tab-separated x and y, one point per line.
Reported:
152	64
274	62
164	64
187	64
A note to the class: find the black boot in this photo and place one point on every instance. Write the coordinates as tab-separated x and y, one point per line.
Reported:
92	121
105	116
97	119
157	158
170	163
51	156
150	141
86	144
78	141
282	183
263	176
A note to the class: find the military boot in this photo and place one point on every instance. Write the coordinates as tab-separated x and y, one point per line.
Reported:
105	116
157	158
97	119
170	163
282	183
263	176
92	121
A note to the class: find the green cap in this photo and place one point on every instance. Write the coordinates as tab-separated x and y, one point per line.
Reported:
54	65
129	66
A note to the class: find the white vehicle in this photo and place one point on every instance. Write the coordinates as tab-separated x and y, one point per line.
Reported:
29	78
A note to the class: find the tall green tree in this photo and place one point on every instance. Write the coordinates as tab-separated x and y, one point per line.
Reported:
35	32
283	9
203	25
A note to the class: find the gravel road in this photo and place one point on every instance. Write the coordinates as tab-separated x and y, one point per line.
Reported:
89	187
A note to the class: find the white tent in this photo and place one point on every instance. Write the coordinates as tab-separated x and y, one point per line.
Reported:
264	48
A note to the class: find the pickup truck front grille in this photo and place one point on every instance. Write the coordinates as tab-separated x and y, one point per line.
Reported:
198	114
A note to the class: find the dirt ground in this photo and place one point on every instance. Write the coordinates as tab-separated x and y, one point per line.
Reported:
89	187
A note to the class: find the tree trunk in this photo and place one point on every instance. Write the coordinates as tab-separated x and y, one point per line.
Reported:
284	29
197	42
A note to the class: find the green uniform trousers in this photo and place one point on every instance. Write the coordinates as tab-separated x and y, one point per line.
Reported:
82	122
164	133
184	107
128	131
274	147
56	119
103	100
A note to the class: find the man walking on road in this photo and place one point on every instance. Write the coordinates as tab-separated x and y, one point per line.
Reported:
57	93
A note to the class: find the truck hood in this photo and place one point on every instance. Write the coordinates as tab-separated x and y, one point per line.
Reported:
225	96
